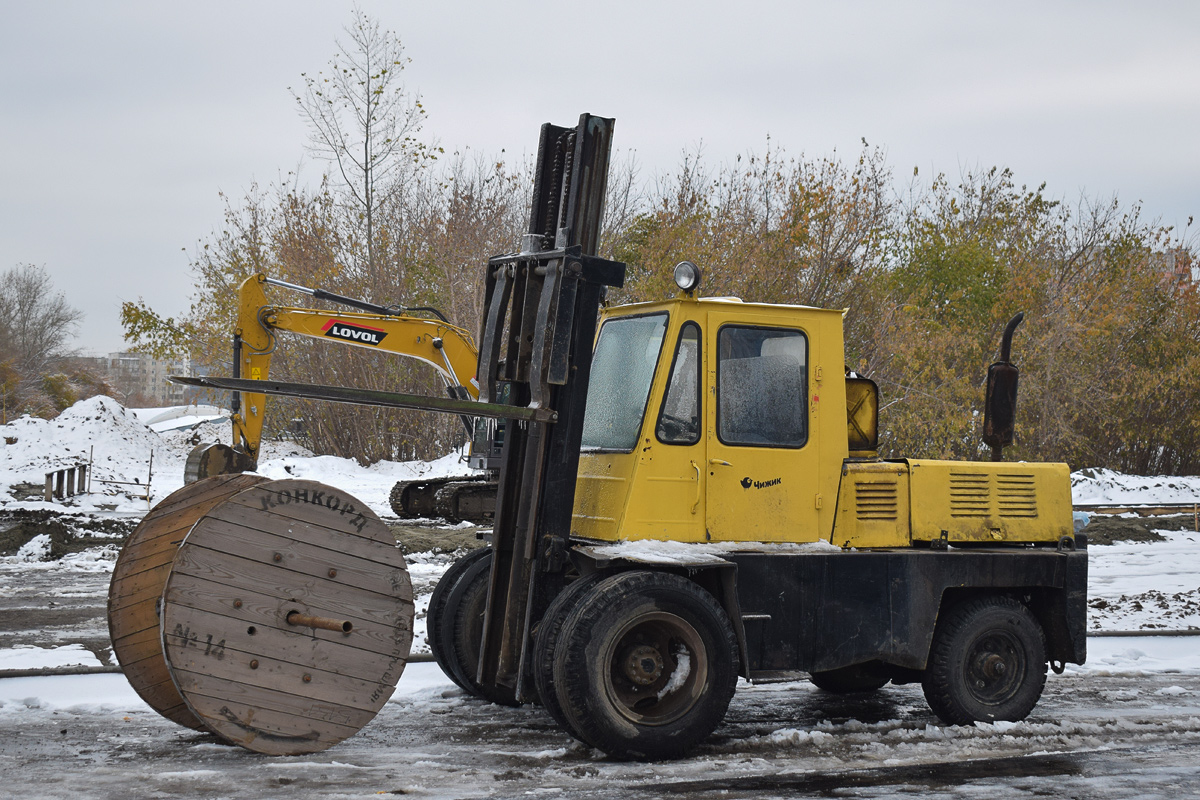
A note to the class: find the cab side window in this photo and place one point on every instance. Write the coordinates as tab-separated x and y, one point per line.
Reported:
679	418
762	386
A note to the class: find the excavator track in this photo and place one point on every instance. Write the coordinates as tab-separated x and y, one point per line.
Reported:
457	499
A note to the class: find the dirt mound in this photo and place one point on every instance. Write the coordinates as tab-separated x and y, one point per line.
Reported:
1106	530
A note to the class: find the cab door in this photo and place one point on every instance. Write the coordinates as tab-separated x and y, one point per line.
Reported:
761	466
666	500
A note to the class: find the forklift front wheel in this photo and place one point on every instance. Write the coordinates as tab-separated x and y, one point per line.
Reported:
435	630
646	665
546	644
462	633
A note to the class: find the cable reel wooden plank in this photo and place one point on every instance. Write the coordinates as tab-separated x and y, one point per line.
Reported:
287	617
137	585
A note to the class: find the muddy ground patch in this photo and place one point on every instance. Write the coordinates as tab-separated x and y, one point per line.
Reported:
431	539
68	533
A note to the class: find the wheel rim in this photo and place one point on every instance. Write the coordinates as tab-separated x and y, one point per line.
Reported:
658	668
995	667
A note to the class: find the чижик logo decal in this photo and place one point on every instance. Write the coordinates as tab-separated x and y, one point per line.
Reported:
747	482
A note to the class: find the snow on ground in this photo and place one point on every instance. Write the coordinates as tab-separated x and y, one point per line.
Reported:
1145	585
422	683
1137	655
30	657
112	691
1132	585
1103	486
77	692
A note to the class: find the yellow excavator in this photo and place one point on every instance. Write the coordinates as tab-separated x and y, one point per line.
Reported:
418	332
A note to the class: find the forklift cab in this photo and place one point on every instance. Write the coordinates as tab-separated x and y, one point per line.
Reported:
712	420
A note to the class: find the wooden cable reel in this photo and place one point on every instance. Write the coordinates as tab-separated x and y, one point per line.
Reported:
137	584
284	617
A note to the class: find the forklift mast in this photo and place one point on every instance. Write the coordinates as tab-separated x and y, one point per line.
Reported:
539	324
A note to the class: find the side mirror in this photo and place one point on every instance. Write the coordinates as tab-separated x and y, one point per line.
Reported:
862	416
1000	405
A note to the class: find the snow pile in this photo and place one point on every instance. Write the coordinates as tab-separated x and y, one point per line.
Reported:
1103	486
36	549
99	428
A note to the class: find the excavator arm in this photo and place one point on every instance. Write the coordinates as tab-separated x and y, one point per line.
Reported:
448	349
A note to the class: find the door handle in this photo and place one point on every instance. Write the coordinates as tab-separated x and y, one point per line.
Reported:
718	462
699	488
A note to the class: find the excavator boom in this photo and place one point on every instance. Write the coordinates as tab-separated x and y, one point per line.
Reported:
431	339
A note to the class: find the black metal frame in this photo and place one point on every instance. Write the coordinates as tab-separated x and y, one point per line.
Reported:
820	611
541	310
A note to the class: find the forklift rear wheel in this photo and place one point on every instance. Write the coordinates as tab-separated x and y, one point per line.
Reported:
849	680
987	662
646	665
546	644
437	608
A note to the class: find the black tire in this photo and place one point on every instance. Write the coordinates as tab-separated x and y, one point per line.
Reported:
435	615
618	674
987	662
546	643
859	678
462	633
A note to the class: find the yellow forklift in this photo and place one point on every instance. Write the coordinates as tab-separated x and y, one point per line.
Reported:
689	492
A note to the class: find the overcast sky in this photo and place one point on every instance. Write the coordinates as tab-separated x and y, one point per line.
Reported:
121	122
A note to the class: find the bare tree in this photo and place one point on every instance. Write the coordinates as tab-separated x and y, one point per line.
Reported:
363	121
37	325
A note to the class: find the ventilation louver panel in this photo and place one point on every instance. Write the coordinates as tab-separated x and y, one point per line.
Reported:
1016	495
970	495
877	500
1010	495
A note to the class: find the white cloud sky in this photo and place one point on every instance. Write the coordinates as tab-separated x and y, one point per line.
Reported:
120	122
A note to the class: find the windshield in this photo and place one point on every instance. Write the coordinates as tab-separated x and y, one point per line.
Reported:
622	370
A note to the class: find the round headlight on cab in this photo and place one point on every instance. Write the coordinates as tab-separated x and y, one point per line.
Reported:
687	276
